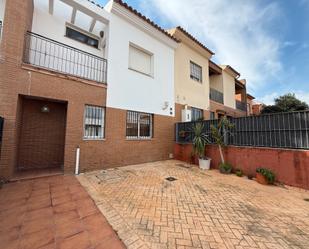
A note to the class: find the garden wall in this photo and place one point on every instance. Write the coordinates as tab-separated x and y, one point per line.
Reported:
290	166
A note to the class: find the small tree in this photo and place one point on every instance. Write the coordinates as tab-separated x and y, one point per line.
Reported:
200	140
286	103
219	133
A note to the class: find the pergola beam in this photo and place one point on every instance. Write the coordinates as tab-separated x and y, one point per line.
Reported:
73	16
51	7
92	25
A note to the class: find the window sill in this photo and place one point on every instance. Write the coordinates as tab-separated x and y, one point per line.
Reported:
146	74
94	139
139	139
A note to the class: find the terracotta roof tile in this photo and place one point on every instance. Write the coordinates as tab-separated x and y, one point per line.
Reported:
146	19
194	39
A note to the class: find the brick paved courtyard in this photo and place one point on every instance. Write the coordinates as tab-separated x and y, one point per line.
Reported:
52	213
199	209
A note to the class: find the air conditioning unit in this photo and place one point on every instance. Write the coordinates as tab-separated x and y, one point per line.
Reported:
186	115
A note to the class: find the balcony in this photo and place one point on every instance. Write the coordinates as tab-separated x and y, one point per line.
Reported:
46	53
215	95
241	106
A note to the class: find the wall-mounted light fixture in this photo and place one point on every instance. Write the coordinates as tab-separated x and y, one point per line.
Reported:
45	109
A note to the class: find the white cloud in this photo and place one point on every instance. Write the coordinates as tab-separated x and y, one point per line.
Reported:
269	98
238	31
303	96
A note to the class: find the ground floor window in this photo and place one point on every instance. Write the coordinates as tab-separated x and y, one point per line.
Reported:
196	114
94	122
139	125
212	115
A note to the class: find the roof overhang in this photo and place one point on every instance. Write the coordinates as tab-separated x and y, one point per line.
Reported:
214	68
230	70
181	34
143	23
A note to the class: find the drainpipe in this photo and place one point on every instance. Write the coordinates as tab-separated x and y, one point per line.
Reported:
77	161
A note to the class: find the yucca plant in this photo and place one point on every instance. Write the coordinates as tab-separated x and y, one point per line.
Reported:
200	140
219	132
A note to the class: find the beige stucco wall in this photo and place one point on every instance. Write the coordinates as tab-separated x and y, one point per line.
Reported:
216	82
228	89
188	91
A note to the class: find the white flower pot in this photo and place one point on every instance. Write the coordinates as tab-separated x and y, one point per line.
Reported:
204	163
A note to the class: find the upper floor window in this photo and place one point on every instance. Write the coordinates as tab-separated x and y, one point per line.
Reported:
94	122
140	60
195	72
139	125
81	37
196	114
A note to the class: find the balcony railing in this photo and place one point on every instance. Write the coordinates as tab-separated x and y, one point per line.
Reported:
241	105
46	53
215	95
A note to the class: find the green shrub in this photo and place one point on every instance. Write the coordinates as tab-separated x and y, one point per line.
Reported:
268	174
225	168
239	172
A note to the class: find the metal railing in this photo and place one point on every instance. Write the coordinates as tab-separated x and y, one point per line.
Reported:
278	130
49	54
241	105
215	95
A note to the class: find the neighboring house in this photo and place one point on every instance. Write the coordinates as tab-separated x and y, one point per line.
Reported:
227	92
203	89
191	77
74	74
250	103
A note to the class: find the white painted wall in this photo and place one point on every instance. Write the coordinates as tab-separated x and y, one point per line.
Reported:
53	26
127	89
2	9
228	89
131	90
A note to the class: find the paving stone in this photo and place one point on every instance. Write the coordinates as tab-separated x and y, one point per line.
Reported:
198	210
46	216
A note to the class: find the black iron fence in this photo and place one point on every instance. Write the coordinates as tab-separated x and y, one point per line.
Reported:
46	53
241	105
280	130
215	95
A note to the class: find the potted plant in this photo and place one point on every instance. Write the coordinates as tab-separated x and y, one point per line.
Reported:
265	176
200	140
239	172
225	168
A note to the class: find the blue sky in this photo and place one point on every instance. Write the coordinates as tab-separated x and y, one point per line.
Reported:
266	41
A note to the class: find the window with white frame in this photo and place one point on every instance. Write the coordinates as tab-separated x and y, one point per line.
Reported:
140	60
139	125
195	72
94	122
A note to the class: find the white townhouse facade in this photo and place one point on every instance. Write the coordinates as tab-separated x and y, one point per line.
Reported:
87	78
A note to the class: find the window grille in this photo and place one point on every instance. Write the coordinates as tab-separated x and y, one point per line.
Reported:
195	72
139	125
94	122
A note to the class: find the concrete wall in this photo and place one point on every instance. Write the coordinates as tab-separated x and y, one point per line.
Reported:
188	91
290	166
216	82
228	90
